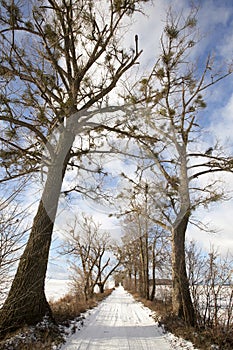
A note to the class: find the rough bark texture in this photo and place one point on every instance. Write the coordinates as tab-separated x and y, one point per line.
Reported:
152	294
26	302
181	299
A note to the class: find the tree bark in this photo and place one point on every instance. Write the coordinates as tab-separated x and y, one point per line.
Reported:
101	287
152	295
146	273
181	298
142	270
26	302
135	279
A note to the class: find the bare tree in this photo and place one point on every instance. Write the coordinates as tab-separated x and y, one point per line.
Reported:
131	259
59	62
12	235
161	257
81	239
9	247
145	245
92	255
210	276
136	240
110	258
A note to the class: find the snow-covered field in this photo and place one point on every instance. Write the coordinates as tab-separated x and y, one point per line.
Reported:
119	322
56	289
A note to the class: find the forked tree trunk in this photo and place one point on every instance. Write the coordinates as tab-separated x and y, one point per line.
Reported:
26	302
101	287
181	298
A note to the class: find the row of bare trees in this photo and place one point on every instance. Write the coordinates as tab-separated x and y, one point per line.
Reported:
59	63
173	165
210	276
93	255
146	250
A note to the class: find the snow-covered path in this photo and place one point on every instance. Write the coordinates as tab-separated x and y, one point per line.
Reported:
119	322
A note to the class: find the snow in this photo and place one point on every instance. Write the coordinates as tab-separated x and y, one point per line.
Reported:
119	322
56	289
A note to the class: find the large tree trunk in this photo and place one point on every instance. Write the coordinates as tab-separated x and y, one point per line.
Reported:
26	302
181	298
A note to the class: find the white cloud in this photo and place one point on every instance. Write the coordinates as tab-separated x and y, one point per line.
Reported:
222	123
148	27
213	13
219	218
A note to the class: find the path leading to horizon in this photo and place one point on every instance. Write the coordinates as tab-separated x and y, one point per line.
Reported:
119	322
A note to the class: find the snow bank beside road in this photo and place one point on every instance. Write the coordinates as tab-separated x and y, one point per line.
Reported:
119	322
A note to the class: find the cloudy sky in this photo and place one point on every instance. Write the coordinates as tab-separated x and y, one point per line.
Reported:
215	22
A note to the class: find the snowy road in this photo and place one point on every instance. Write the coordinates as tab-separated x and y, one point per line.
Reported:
119	322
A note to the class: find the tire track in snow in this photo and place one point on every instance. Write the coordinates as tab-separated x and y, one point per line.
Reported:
119	322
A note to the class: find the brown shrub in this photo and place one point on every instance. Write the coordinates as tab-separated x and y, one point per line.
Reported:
46	334
71	306
203	339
